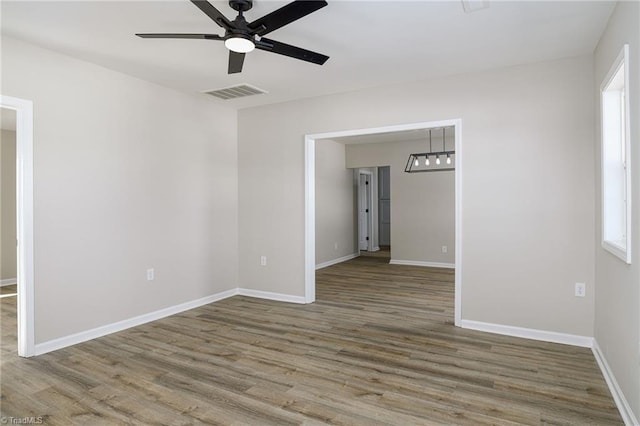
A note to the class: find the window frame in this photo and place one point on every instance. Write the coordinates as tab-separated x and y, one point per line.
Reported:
623	252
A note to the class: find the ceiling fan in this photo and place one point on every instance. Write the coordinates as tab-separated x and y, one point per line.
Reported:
242	37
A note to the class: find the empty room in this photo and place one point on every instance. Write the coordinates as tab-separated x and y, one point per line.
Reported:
320	212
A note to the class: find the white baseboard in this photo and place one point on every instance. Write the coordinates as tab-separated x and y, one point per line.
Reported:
420	263
529	333
336	261
8	281
621	402
568	339
271	296
83	336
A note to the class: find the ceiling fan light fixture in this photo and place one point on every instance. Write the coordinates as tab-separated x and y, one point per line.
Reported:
239	44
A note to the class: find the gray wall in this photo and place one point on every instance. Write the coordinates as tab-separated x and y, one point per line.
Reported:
617	307
8	261
422	204
128	175
335	204
527	185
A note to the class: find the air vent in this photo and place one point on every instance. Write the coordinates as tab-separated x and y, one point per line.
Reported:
234	92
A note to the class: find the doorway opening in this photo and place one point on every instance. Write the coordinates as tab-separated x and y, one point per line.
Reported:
365	211
310	199
374	211
24	221
8	227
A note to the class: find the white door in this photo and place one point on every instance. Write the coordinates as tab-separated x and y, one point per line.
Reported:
364	203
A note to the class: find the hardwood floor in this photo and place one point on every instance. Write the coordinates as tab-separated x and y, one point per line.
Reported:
378	347
8	290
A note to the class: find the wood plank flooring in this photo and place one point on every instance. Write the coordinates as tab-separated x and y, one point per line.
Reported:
8	290
378	347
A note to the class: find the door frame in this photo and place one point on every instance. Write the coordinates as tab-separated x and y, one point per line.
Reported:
310	200
24	221
369	207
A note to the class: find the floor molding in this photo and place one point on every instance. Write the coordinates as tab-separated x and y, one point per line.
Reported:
280	297
421	263
2	296
8	281
83	336
336	261
529	333
621	402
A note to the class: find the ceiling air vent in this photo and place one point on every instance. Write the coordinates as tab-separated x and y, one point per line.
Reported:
234	92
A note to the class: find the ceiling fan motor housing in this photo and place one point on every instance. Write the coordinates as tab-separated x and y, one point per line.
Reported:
241	5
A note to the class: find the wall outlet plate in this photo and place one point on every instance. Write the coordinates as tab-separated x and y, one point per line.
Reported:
581	289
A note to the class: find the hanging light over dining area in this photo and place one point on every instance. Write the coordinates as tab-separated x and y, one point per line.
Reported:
434	161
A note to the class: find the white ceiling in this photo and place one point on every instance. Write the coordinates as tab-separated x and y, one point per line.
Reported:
370	43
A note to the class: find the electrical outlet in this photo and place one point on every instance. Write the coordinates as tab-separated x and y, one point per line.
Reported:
263	260
335	246
150	274
581	290
445	249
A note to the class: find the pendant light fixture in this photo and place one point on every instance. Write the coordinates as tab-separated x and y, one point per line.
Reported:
413	163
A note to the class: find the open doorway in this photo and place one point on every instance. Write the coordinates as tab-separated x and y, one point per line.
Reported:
23	243
8	233
374	211
365	211
368	134
8	225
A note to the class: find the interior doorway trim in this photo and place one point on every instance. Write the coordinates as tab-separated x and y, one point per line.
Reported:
24	219
310	200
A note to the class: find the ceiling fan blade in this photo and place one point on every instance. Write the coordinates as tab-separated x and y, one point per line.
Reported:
285	15
291	51
235	62
213	13
191	36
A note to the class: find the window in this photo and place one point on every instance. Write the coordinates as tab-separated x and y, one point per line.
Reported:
616	173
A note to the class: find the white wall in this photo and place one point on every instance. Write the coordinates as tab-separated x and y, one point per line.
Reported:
336	223
527	185
617	307
128	175
8	261
422	204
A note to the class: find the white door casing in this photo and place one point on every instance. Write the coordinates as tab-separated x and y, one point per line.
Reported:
310	200
24	216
